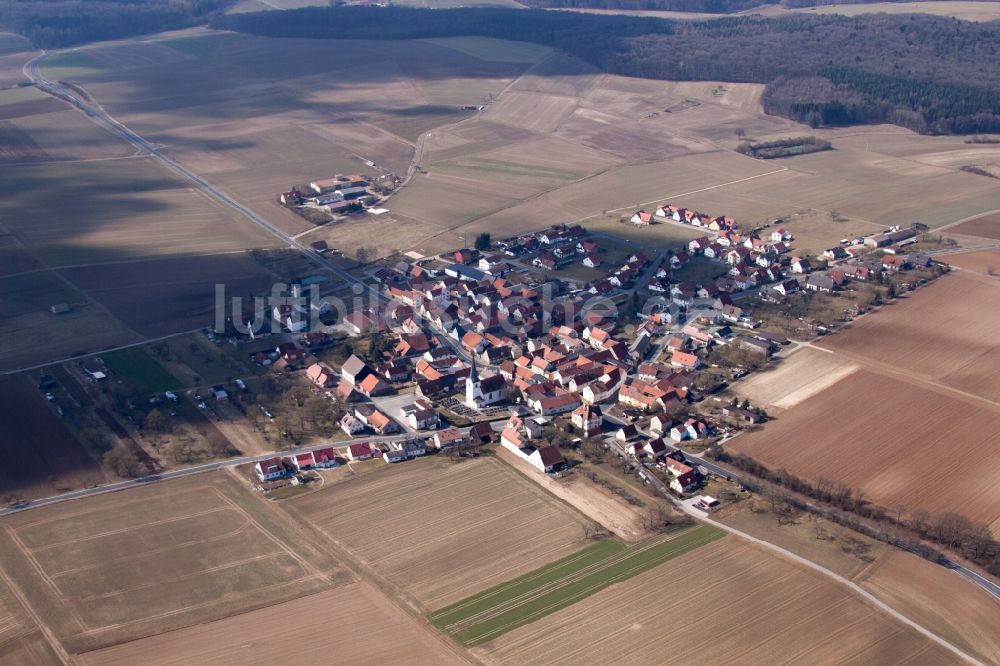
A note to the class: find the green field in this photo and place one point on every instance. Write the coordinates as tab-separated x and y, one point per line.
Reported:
138	367
484	616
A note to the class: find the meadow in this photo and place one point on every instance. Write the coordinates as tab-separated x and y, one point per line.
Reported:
142	370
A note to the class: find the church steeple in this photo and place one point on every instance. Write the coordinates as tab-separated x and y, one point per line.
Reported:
474	374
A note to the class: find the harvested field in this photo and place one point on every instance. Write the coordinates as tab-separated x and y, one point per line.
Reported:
775	611
986	262
943	334
170	295
497	50
987	226
14	258
532	111
43	457
428	526
940	600
613	513
216	549
527	599
32	334
379	633
121	209
891	431
799	376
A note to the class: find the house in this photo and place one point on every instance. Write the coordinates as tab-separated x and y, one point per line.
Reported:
481	433
381	423
301	461
820	282
685	360
656	448
394	455
801	265
642	219
755	345
780	235
685	478
373	385
325	457
321	375
626	433
547	458
592	261
588	418
448	438
836	253
361	451
355	370
351	424
787	287
271	469
414	448
659	425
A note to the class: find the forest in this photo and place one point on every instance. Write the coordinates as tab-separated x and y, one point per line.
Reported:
930	74
58	23
700	6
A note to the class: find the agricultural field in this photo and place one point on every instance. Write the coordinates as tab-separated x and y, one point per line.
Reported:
935	335
935	597
21	642
430	526
515	603
798	376
32	334
379	633
890	430
215	549
954	609
726	601
141	370
43	457
987	226
985	262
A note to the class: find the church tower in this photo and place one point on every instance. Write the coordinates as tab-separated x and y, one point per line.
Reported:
473	389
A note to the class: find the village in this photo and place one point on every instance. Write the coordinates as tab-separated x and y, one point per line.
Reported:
496	344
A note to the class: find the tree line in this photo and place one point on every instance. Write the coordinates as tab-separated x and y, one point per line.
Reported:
59	23
896	525
931	74
699	6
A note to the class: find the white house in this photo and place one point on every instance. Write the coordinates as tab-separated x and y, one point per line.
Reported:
547	458
271	469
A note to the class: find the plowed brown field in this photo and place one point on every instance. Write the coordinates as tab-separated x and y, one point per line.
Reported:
352	624
443	531
899	442
728	602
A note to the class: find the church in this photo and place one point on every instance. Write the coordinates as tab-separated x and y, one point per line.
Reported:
481	393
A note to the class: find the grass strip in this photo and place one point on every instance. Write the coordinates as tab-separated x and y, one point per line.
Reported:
561	584
137	366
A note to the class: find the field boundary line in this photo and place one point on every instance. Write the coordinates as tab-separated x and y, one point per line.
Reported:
84	511
176	579
48	582
155	551
49	635
193	607
91	537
